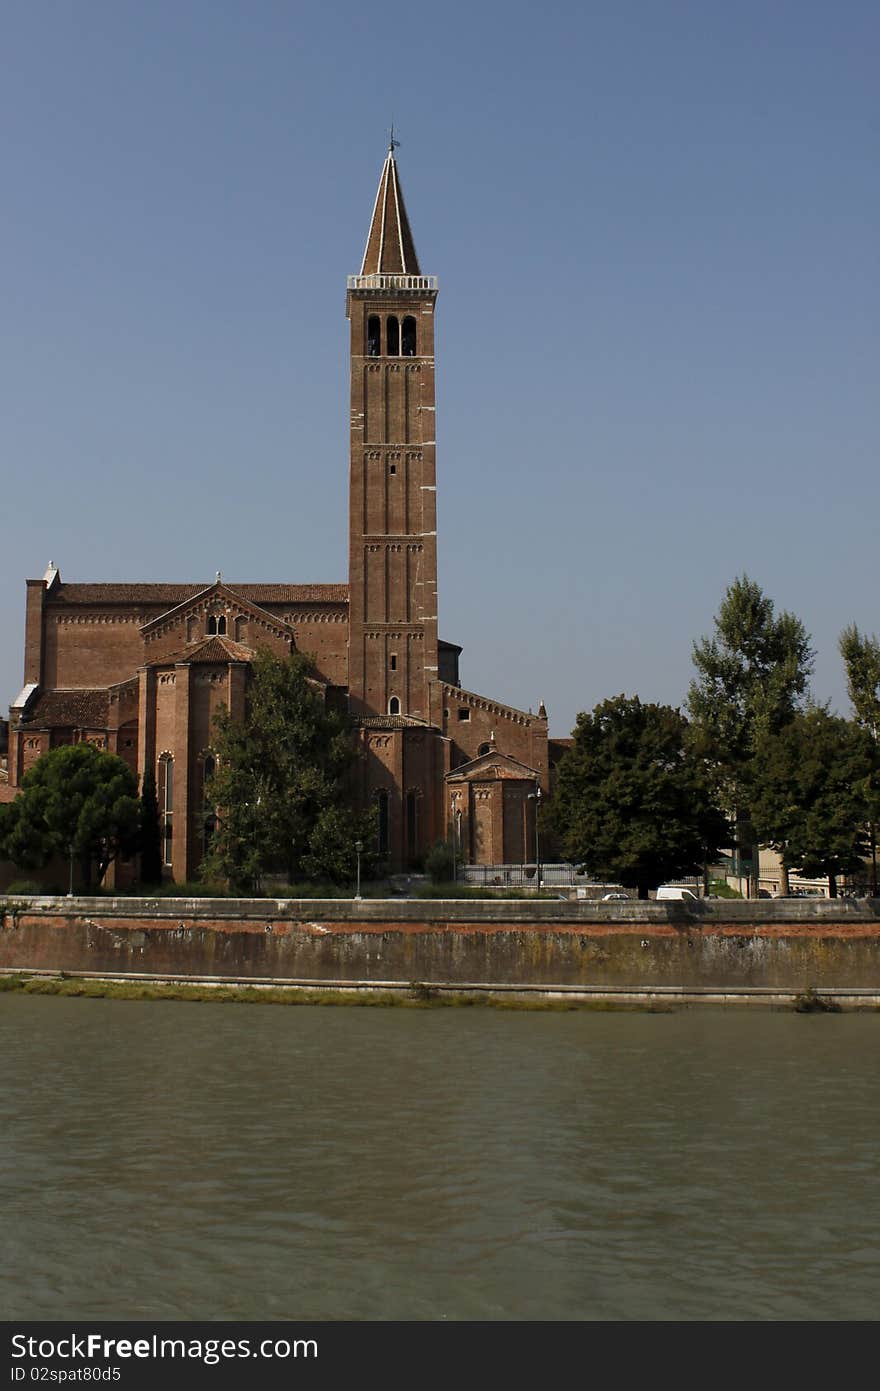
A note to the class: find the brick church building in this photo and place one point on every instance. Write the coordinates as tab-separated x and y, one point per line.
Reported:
142	669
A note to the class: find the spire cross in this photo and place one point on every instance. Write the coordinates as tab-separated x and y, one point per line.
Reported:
392	143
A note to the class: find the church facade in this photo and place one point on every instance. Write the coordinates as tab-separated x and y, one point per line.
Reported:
142	669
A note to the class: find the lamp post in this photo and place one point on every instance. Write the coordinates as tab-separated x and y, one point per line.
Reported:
454	844
358	849
536	798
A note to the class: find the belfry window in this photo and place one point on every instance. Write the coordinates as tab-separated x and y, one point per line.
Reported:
394	706
392	331
408	337
373	329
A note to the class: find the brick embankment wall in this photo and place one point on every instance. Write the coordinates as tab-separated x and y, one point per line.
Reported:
784	945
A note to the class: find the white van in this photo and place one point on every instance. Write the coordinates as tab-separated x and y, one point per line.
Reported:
674	891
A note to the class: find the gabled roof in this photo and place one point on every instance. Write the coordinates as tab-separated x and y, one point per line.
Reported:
494	765
213	651
390	247
226	594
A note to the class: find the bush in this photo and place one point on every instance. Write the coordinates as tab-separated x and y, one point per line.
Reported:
30	888
440	862
719	888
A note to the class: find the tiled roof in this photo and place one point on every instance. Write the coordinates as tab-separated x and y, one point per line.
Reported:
80	709
390	247
124	593
172	594
293	593
215	650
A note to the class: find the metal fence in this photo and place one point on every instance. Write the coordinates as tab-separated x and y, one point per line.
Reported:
552	876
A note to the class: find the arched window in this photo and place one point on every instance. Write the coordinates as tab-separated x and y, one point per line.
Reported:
221	626
392	331
383	806
483	749
412	824
212	625
165	797
394	706
373	335
408	337
240	627
208	814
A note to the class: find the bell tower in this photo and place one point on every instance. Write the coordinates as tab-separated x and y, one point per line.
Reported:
392	659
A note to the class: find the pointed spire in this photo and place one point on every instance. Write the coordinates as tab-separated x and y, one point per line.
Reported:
390	246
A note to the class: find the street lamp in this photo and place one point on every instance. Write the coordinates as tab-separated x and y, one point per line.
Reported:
359	850
454	842
536	798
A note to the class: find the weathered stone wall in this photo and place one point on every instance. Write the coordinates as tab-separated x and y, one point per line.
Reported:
782	945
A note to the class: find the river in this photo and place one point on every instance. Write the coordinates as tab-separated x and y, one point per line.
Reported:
187	1161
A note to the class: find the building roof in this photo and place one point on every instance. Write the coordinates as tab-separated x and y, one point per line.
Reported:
173	594
390	247
213	651
74	709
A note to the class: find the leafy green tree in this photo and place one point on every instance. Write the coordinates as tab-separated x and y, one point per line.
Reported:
281	785
151	852
440	862
752	679
332	855
632	801
77	802
809	802
861	656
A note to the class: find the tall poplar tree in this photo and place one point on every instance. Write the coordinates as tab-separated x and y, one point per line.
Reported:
151	852
752	679
861	657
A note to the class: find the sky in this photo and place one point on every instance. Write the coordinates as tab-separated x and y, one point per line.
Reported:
655	228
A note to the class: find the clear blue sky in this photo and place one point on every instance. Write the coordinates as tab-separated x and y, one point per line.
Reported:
655	227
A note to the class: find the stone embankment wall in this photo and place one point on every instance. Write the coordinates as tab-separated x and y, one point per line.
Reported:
712	945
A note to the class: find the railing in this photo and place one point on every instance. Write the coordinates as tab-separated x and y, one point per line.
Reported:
552	876
392	282
518	876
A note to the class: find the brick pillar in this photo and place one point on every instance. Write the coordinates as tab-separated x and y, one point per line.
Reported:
146	721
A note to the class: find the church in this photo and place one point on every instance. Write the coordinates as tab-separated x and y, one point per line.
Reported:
142	669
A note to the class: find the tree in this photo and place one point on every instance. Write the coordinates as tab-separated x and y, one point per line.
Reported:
752	680
78	802
861	656
151	852
808	803
281	781
632	801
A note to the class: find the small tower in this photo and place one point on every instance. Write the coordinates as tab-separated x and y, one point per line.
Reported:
393	515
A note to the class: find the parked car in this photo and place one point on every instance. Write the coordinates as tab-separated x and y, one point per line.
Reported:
615	898
677	893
